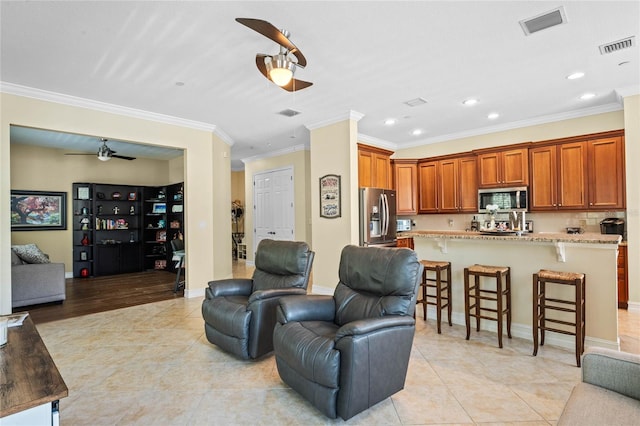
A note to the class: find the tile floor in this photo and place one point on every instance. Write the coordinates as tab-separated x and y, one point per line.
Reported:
152	365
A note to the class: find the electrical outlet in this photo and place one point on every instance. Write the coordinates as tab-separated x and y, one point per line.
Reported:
450	223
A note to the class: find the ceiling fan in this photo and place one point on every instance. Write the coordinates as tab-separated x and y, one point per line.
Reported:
105	153
278	68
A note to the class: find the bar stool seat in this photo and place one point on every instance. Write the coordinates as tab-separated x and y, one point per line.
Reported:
442	286
576	307
501	296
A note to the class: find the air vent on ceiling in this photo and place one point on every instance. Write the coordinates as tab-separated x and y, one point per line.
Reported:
289	112
625	43
416	102
544	21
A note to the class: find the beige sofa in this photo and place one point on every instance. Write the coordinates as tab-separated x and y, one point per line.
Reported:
609	393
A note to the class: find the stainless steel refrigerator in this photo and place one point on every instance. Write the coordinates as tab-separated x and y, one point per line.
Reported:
377	217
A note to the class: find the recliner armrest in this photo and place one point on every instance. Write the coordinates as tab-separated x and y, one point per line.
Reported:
276	292
613	370
369	325
230	287
306	308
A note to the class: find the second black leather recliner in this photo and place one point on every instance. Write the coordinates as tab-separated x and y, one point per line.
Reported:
347	352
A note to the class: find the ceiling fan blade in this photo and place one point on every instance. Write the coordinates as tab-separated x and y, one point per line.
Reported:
262	67
122	157
295	85
76	153
268	30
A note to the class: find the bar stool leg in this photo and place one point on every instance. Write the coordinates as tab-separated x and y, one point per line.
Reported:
467	308
536	313
579	308
543	310
424	295
508	303
438	298
476	292
499	309
449	294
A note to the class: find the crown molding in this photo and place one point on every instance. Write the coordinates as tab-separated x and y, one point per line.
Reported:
60	98
277	153
585	112
380	143
351	115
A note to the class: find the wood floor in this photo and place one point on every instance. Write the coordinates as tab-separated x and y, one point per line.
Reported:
91	295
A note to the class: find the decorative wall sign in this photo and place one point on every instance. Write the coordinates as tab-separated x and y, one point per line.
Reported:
330	206
38	210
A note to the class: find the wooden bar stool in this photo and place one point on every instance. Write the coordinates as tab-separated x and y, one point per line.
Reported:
477	294
442	286
542	303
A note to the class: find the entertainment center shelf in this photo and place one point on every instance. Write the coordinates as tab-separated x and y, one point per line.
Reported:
125	228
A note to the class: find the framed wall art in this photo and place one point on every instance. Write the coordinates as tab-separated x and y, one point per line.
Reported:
330	206
38	210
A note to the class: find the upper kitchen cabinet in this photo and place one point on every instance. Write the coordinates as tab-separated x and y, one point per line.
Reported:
606	173
448	185
374	167
558	177
507	167
405	174
578	174
428	187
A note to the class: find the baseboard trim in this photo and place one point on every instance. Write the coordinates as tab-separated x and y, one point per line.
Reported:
325	291
193	293
633	307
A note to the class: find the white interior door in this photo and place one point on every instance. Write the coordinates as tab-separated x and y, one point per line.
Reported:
273	205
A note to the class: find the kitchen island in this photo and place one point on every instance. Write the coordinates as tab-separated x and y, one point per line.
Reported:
595	255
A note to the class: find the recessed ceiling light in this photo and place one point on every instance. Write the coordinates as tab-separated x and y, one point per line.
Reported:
575	75
470	102
179	83
417	132
390	121
587	96
493	116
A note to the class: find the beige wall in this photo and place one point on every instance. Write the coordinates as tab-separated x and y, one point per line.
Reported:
206	165
42	169
632	145
333	151
299	160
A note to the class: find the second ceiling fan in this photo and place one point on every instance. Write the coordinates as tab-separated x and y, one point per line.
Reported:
278	68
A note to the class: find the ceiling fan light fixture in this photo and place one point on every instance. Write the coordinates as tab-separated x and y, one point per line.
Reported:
104	156
280	69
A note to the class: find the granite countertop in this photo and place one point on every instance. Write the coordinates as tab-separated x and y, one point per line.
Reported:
544	237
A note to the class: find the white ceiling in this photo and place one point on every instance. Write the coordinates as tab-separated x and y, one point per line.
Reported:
367	57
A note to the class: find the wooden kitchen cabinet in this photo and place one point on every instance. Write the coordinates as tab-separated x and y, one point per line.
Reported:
606	173
374	167
406	185
558	177
448	185
508	167
578	175
623	283
405	242
427	187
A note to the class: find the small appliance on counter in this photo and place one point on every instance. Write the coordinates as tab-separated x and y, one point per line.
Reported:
612	225
403	225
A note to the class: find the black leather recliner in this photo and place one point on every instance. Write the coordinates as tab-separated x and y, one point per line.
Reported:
240	314
347	352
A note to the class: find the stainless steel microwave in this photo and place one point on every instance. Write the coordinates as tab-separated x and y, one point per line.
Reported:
507	199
